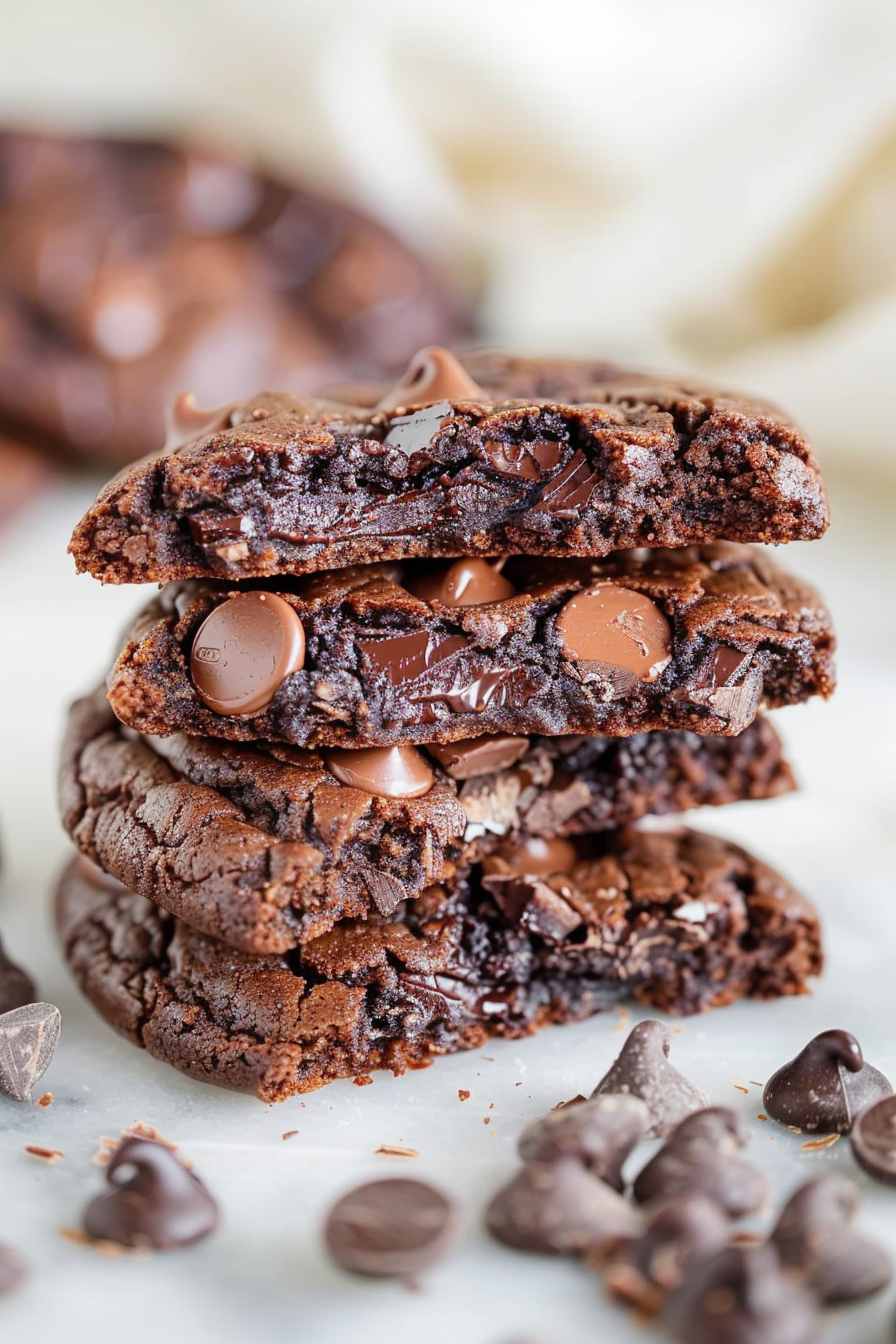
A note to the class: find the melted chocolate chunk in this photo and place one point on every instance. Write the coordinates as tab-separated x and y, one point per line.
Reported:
473	757
406	657
153	1201
391	1228
526	461
702	1156
825	1087
642	1069
815	1239
560	1208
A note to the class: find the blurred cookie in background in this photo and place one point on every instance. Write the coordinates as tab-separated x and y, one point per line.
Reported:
24	474
132	270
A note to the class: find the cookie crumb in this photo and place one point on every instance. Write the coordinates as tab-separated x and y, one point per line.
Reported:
50	1155
826	1141
290	1134
138	1130
463	1094
760	1115
362	1080
738	1088
45	1100
393	1150
487	1120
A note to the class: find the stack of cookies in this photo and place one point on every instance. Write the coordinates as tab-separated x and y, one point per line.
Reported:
363	785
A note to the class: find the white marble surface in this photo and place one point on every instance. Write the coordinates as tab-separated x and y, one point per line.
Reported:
263	1275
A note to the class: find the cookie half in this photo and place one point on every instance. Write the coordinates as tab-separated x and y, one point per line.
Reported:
264	846
678	920
491	456
386	655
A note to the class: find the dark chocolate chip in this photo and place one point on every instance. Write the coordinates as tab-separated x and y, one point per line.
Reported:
391	1228
642	1069
16	988
464	583
559	1208
158	1204
825	1087
702	1156
475	756
600	1134
13	1269
243	650
815	1239
679	1234
432	375
533	905
386	772
740	1296
616	627
28	1037
873	1139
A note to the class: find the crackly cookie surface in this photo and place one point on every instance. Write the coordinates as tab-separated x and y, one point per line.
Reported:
676	919
131	270
264	846
492	455
693	639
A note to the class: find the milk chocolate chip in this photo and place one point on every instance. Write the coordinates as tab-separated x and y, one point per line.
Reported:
617	627
825	1087
387	772
243	651
185	421
432	375
465	583
533	856
474	756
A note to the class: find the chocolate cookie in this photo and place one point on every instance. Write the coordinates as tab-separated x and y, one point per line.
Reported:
385	655
494	456
677	919
130	270
263	846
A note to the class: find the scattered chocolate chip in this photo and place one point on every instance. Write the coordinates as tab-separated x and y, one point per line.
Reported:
391	1228
385	772
825	1087
600	1134
28	1037
618	628
13	1269
16	988
642	1069
464	583
432	375
243	650
475	756
154	1201
679	1234
814	1238
702	1156
740	1296
873	1140
559	1208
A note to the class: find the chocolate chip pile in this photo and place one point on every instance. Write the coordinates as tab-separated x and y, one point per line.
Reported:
364	784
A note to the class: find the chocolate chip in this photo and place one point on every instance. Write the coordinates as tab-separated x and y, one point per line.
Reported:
391	1228
533	905
600	1134
618	628
243	650
186	422
386	772
16	988
701	1156
432	375
465	583
679	1234
570	491
824	1088
559	1208
873	1139
412	433
642	1069
740	1296
154	1200
532	856
726	664
28	1037
13	1269
404	657
815	1239
475	756
524	461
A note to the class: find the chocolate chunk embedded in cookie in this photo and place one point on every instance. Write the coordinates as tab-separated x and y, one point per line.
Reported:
444	972
496	456
263	846
693	639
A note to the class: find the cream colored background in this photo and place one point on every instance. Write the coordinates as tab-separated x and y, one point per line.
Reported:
707	184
